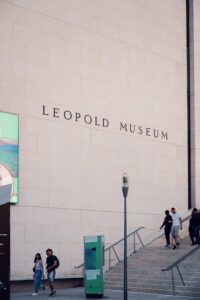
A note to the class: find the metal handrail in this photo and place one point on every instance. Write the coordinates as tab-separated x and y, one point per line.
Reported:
176	263
135	232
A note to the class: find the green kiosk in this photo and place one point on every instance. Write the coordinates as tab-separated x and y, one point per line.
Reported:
94	261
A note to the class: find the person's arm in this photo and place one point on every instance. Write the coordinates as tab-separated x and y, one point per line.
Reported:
192	222
42	268
180	219
170	219
162	224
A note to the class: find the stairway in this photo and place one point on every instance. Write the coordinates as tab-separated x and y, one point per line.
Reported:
145	275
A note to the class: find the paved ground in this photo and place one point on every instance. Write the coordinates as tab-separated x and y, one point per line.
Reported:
78	293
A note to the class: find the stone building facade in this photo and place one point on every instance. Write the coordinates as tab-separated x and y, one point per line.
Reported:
100	87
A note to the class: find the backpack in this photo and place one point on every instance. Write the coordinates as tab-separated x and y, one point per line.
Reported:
57	261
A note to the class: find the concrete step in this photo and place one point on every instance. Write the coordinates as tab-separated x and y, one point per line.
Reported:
159	266
155	286
188	281
154	271
160	290
150	269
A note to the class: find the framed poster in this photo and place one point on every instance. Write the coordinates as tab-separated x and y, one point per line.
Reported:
9	150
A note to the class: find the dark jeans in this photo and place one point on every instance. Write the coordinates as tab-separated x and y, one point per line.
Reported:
196	231
167	235
191	232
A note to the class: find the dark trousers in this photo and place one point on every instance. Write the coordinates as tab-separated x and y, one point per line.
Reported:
167	235
191	232
196	230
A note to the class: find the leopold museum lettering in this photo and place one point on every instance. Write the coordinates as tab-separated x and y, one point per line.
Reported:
101	122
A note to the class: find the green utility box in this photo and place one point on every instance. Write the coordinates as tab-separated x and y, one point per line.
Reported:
94	261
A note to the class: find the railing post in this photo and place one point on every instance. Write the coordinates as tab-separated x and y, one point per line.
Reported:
140	239
109	258
173	281
134	243
180	275
116	254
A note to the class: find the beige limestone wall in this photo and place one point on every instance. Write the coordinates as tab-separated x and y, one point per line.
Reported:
120	60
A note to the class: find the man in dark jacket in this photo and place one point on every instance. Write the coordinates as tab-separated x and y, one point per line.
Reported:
196	224
168	224
191	229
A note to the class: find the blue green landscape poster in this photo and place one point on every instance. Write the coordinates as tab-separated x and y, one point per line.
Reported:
9	153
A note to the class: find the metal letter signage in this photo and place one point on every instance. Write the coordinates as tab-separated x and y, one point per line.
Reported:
101	122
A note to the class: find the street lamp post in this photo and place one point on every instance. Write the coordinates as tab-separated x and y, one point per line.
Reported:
125	193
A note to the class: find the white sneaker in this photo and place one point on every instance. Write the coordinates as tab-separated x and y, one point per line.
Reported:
35	294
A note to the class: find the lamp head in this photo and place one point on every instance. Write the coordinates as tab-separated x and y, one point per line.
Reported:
125	185
125	180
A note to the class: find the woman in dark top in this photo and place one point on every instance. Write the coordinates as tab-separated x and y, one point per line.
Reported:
168	224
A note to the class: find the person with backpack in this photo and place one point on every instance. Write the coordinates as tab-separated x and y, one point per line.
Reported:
52	263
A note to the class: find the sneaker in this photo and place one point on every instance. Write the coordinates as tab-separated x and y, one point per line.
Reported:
52	294
35	294
174	247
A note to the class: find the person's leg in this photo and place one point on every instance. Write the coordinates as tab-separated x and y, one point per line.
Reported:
167	234
39	279
194	236
36	281
35	284
54	290
42	286
51	277
196	230
191	233
198	237
176	236
173	234
176	240
51	285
